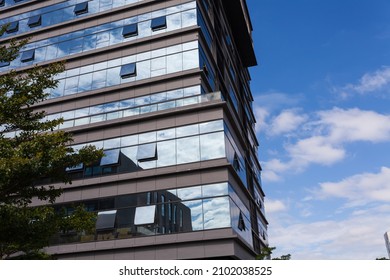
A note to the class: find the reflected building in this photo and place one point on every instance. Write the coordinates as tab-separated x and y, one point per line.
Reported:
387	241
163	88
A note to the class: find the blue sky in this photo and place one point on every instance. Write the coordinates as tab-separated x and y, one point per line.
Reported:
322	96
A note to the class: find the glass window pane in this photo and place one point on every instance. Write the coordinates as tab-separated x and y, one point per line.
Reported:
158	23
216	213
145	215
130	30
190	60
27	56
111	143
147	152
189	193
129	140
128	70
215	190
147	137
166	134
211	126
34	21
212	145
13	27
187	150
187	130
106	220
174	63
166	153
110	157
192	215
81	8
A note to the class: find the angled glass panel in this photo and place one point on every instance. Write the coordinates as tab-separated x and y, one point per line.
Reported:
27	56
106	220
128	70
241	223
4	63
13	27
159	23
34	21
81	8
130	30
145	215
147	152
75	168
110	157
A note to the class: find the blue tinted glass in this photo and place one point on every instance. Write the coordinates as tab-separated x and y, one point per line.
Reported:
159	23
34	21
81	8
130	30
110	157
128	70
27	56
4	63
147	152
1	3
13	27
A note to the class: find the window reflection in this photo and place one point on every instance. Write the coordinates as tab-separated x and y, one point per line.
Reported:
188	150
216	213
95	37
164	212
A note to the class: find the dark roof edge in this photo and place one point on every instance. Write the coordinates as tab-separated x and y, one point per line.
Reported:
238	16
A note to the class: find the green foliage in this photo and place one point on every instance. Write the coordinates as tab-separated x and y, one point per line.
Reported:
266	252
35	154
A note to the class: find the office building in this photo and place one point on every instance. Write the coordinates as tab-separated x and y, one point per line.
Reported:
163	88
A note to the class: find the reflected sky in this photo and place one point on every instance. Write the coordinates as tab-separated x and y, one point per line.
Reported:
107	35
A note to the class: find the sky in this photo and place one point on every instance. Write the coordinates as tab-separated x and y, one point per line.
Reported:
322	103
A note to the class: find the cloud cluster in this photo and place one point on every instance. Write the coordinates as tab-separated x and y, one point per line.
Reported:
321	138
357	237
359	189
370	82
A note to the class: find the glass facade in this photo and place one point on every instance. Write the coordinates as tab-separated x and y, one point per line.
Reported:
184	56
105	35
146	65
61	12
189	209
180	145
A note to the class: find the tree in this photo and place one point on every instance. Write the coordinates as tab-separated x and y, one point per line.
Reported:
34	154
266	252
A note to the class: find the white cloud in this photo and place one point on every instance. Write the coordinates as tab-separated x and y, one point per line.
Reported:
273	206
316	149
324	138
357	237
359	189
261	115
354	125
370	82
287	121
